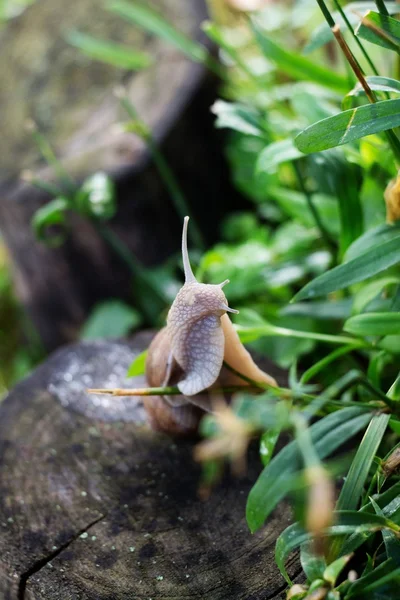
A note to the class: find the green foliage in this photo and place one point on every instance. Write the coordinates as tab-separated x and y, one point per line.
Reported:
108	52
111	318
314	268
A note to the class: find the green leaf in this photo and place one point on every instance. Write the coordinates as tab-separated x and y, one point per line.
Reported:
294	204
371	239
349	126
297	66
384	323
333	570
391	541
153	22
51	214
373	261
353	487
239	117
138	366
381	30
323	34
339	177
378	578
377	84
313	565
389	502
268	443
110	319
96	197
346	522
275	481
275	154
369	291
109	52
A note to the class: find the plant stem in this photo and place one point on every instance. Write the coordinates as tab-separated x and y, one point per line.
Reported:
162	391
353	63
166	174
49	156
44	186
356	39
381	7
313	209
322	364
393	140
270	329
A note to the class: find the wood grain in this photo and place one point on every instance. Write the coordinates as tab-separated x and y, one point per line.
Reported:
94	508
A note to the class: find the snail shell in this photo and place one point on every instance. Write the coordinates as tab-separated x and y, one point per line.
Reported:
189	353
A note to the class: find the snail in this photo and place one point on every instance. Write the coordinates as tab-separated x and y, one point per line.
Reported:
190	351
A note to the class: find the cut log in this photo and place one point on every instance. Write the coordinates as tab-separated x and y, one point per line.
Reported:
71	99
96	506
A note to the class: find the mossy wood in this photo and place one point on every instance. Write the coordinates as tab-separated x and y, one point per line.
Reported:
95	506
71	99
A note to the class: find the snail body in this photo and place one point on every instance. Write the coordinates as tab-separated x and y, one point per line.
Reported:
189	353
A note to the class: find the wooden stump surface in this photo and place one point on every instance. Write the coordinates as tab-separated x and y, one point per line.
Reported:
95	506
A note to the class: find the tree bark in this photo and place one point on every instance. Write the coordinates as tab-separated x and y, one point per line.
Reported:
95	506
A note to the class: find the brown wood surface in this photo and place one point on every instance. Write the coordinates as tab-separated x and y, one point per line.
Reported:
95	506
71	99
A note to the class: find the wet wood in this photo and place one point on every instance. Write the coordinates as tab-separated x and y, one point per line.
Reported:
95	506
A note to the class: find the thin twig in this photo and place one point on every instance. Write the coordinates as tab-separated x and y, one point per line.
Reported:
166	391
353	63
356	39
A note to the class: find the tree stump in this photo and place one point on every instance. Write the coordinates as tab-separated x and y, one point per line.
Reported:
71	99
96	506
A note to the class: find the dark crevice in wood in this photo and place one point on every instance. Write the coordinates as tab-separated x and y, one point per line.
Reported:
39	564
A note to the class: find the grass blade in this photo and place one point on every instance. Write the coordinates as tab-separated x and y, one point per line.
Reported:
109	52
374	324
275	481
297	66
348	126
373	261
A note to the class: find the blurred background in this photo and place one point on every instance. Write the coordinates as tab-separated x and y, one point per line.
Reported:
119	118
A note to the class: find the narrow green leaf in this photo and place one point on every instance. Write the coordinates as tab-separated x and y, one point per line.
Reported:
381	30
374	324
275	480
391	541
373	261
297	66
323	34
346	522
111	318
353	487
382	575
109	52
372	238
154	23
349	126
389	502
377	84
333	570
275	154
295	205
268	443
138	366
312	564
370	291
239	117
